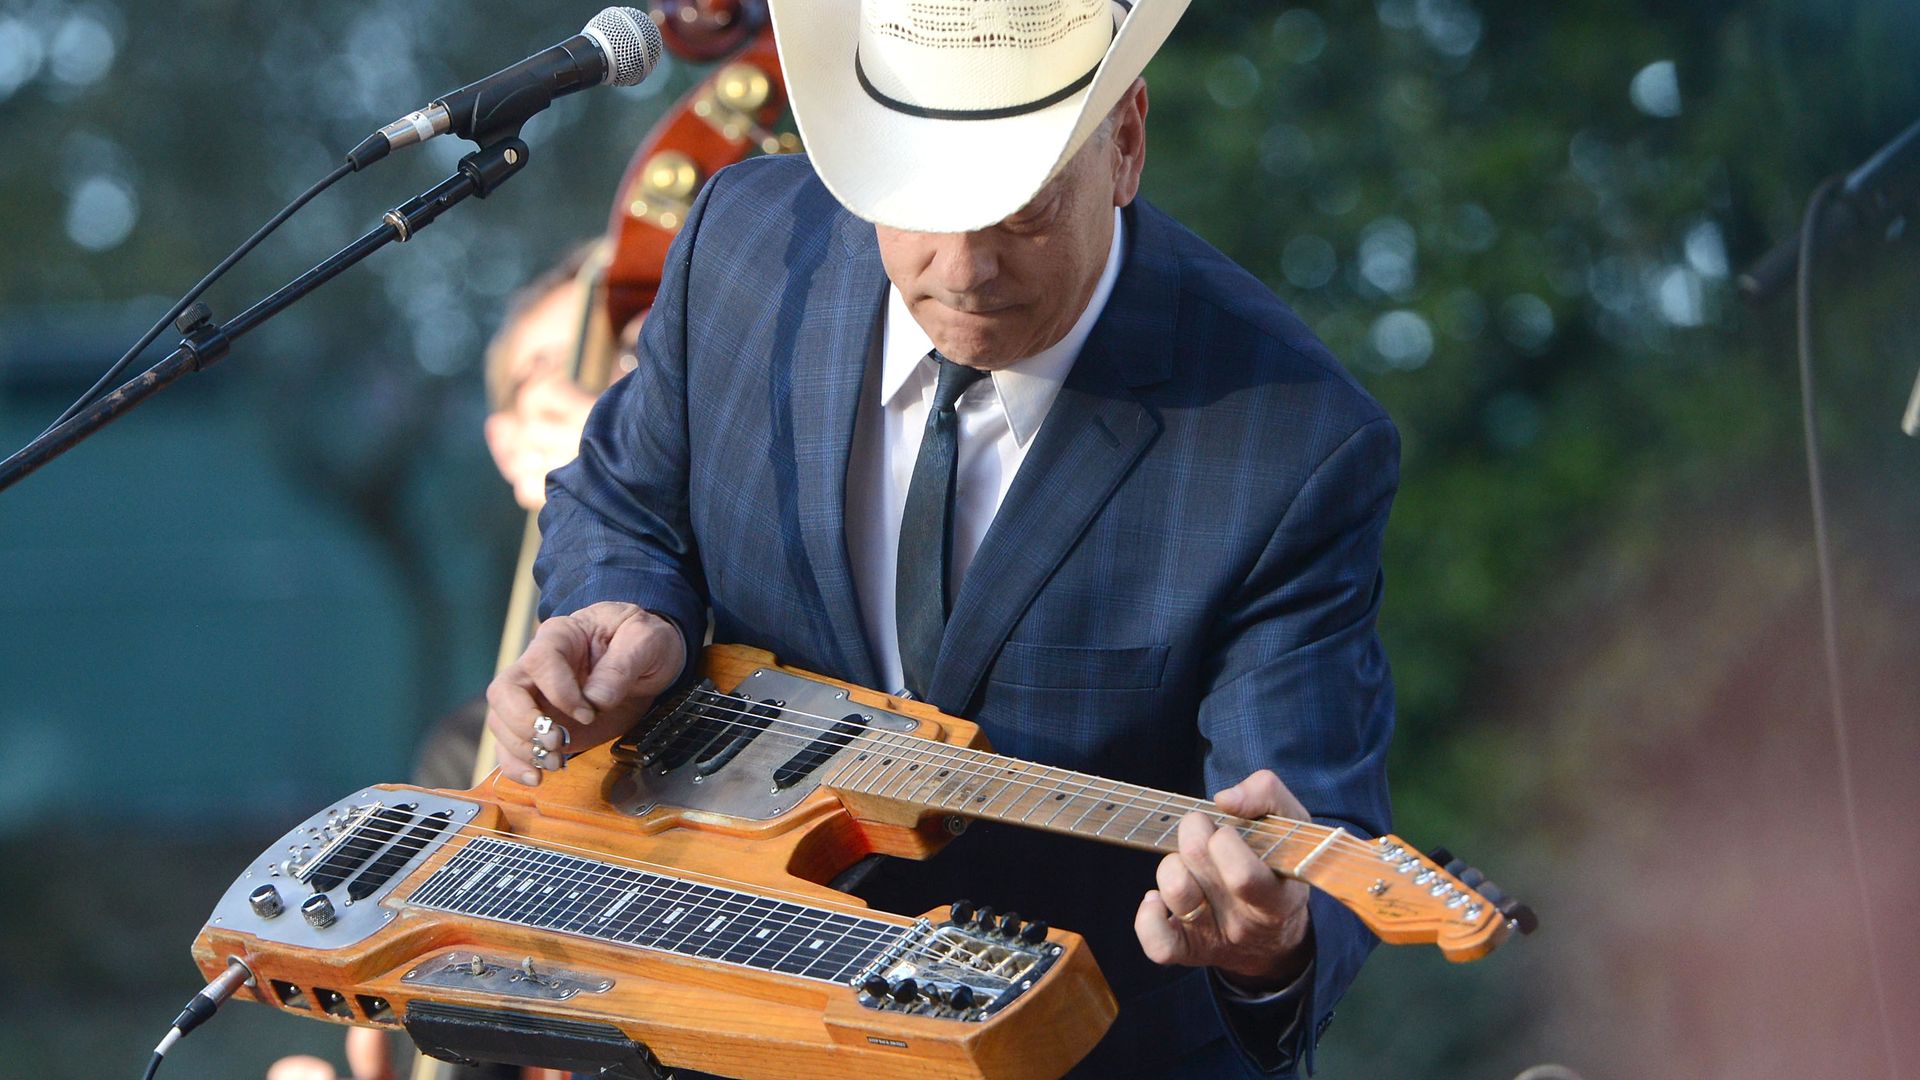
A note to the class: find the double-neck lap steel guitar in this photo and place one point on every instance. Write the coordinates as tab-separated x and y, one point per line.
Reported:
660	900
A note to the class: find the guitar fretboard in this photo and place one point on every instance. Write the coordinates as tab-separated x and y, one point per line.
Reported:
529	886
977	784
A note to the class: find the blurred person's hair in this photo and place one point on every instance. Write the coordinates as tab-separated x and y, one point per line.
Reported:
502	384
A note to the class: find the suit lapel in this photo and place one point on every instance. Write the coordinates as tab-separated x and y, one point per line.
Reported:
830	358
1093	435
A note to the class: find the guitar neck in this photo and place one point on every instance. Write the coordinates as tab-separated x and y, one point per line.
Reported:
977	784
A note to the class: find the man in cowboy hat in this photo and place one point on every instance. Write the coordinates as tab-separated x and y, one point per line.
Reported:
947	409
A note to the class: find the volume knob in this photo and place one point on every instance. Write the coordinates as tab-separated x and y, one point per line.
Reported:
266	902
318	910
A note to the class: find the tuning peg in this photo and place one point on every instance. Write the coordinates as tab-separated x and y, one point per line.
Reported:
961	912
983	918
1034	932
1471	877
961	997
1524	920
875	986
905	990
1456	867
1440	855
1490	892
1010	924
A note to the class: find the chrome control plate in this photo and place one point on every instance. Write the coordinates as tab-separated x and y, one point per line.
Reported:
371	855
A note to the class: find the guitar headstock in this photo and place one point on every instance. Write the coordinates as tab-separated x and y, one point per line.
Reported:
1412	899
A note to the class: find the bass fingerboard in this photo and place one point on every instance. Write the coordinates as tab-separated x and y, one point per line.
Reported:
509	882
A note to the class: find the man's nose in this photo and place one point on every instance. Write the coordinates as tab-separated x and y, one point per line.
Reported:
965	262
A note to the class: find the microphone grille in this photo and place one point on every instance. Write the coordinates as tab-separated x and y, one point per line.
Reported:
632	43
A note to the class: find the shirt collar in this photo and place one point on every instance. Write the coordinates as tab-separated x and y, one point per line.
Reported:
1026	388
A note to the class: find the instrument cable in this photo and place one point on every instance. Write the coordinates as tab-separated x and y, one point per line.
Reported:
199	1008
105	381
1829	624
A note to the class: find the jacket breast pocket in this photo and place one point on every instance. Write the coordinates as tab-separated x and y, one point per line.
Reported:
1079	667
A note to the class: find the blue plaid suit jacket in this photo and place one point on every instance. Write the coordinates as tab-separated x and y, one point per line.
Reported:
1179	589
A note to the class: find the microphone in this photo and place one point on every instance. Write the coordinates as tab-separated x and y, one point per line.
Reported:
619	46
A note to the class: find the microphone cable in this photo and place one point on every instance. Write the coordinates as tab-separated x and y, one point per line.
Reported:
107	381
1829	621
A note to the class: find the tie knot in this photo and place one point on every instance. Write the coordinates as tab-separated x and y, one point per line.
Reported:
954	380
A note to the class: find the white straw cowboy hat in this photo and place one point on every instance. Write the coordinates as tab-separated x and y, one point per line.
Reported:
949	115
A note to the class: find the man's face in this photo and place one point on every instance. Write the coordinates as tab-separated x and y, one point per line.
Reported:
537	429
1002	294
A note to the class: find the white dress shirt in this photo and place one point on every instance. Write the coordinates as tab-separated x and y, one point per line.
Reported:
998	419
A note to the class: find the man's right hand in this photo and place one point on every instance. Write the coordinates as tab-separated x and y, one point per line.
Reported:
594	672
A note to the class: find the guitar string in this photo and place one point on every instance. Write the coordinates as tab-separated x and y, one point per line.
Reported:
970	761
866	932
1346	846
1375	870
931	751
1352	849
889	933
974	760
1452	917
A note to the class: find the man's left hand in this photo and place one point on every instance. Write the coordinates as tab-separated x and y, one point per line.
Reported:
1219	906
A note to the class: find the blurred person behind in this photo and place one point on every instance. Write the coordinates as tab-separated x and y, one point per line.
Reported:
536	410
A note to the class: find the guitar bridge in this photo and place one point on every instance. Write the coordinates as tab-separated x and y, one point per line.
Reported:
958	970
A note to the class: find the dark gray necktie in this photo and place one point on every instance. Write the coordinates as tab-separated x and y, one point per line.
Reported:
920	601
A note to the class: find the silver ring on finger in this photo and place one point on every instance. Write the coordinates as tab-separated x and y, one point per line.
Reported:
546	725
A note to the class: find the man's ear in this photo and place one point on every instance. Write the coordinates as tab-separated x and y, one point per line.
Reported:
502	430
1129	142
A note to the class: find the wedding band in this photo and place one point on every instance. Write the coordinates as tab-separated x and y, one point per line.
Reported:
1192	915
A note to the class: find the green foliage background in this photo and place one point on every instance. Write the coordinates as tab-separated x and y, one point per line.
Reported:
1515	221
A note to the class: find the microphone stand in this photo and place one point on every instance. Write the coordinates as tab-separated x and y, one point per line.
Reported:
206	342
1868	196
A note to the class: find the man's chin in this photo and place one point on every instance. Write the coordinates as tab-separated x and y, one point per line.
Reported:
974	348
